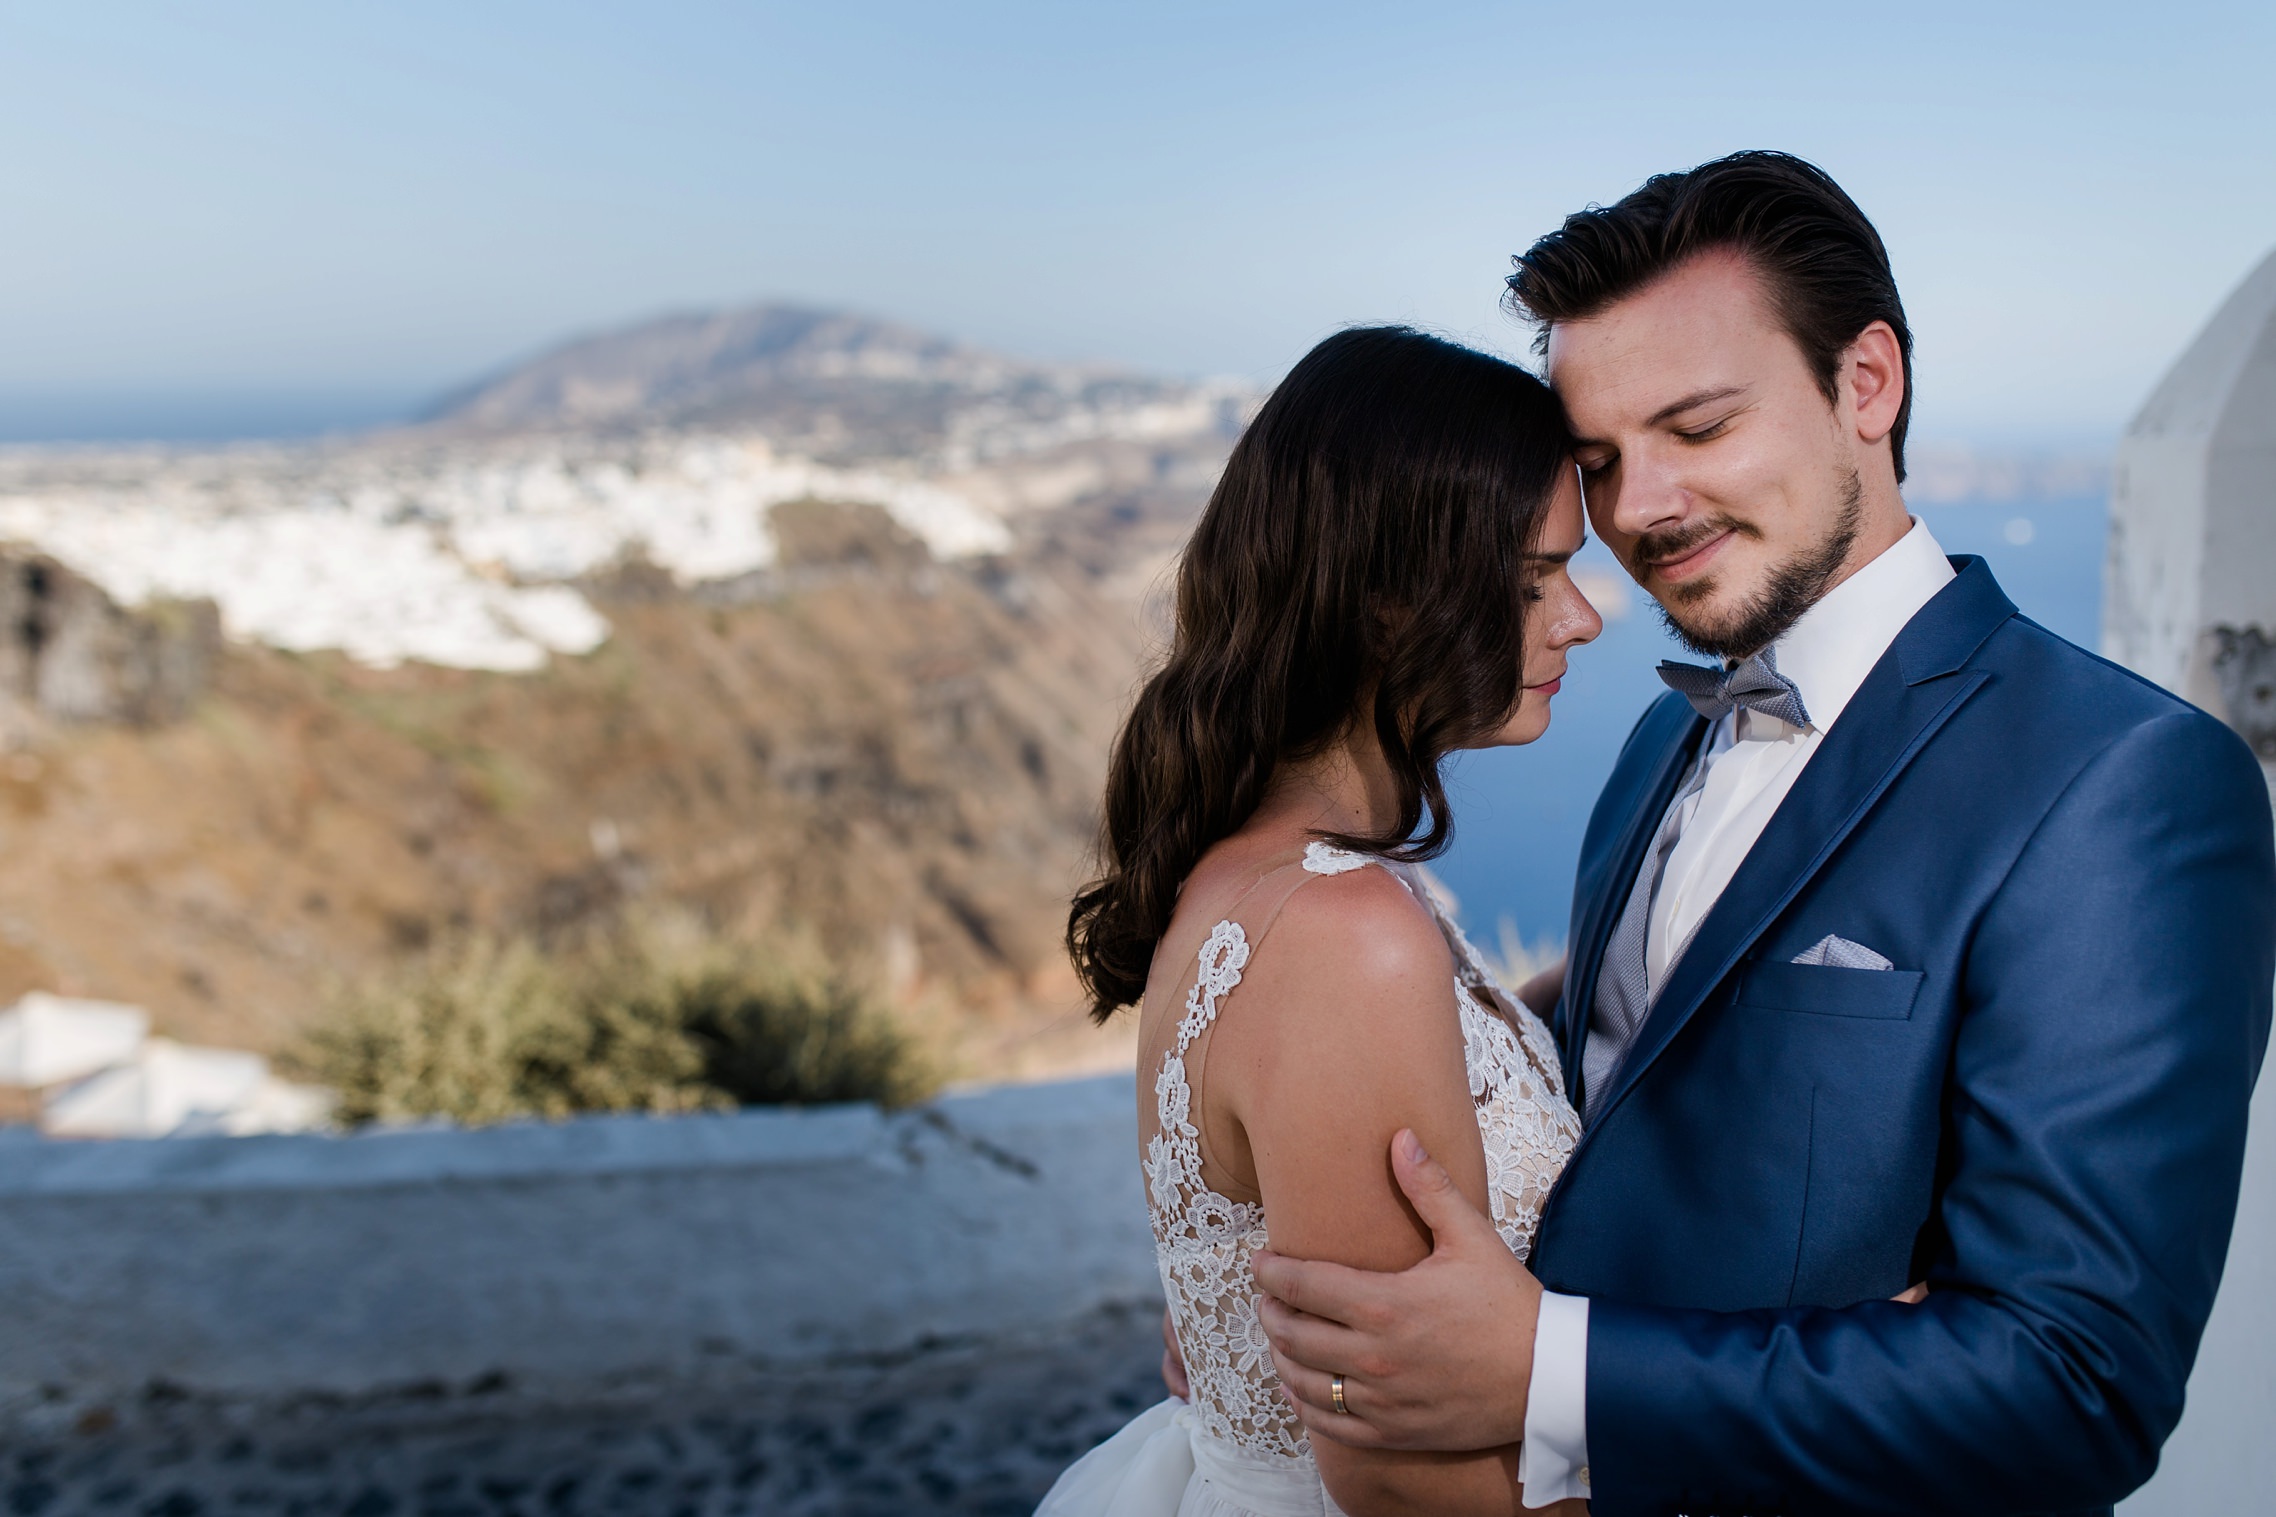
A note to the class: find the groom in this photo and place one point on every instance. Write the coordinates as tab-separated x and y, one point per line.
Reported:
1910	944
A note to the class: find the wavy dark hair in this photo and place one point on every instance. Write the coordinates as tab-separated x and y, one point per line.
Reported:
1362	560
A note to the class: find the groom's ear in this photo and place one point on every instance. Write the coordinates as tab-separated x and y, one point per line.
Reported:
1873	377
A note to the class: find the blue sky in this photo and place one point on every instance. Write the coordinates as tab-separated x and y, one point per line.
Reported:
321	211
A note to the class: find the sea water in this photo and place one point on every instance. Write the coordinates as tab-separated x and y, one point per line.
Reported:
1519	812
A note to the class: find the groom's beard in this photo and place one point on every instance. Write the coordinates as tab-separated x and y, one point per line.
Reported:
1793	587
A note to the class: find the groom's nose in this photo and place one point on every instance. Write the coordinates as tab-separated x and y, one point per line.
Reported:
1639	494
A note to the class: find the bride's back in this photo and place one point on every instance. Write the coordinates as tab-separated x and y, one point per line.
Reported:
1222	1033
1305	1005
1248	882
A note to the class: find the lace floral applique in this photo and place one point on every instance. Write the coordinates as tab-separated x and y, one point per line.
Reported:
1525	1124
1202	1242
1327	858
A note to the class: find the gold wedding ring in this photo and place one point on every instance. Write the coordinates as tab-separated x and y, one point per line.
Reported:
1335	1395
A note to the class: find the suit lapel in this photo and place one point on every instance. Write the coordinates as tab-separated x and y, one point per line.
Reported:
1674	729
1912	692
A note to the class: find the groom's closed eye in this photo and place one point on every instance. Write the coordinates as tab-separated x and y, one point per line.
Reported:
1667	415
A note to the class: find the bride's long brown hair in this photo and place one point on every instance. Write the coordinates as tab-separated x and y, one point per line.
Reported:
1365	548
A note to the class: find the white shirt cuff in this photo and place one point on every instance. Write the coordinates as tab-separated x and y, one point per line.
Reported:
1553	1464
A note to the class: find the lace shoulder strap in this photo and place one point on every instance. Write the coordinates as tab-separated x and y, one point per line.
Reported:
1230	943
1223	956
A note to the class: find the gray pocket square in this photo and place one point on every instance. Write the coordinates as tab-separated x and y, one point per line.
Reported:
1840	953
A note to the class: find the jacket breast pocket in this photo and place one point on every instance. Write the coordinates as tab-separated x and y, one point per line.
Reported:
1883	995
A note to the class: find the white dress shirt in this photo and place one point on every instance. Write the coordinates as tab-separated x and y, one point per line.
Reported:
1752	761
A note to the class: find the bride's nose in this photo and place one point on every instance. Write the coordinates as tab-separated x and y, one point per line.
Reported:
1577	620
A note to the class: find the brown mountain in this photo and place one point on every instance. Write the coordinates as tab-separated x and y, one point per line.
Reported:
829	384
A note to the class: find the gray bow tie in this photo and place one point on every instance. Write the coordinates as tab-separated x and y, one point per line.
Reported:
1754	683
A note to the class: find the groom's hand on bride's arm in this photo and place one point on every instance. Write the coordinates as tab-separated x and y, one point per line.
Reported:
1438	1356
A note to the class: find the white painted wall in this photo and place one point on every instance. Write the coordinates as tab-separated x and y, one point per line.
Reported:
2222	1459
2192	548
2193	500
573	1257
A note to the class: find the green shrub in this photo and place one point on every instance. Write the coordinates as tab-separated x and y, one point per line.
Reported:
656	1017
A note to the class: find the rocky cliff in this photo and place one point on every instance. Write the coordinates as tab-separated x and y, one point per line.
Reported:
69	651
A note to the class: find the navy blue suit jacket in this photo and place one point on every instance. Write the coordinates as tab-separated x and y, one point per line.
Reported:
2040	1111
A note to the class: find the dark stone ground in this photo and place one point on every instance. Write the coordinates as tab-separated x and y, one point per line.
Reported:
952	1429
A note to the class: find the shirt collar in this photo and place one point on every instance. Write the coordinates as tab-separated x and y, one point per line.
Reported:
1828	653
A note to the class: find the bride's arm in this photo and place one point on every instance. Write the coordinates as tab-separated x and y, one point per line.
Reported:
1540	992
1345	1031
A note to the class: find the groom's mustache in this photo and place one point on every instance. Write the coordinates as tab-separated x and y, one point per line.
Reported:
1672	543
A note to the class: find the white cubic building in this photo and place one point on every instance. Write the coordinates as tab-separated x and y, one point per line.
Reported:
2190	601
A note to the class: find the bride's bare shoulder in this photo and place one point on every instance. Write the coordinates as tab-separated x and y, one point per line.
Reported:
1351	1032
1359	931
1355	937
1359	939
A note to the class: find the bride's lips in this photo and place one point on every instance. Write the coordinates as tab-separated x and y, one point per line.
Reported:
1692	563
1550	688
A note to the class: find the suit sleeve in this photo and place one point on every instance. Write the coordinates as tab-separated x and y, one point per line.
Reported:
2115	1008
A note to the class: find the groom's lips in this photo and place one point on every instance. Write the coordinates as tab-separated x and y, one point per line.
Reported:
1692	562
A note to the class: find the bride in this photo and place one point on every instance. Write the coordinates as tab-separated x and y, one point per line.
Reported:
1380	579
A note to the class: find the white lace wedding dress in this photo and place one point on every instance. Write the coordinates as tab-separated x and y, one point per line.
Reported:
1236	1450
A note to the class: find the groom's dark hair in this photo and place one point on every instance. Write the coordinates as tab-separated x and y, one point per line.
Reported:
1825	267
